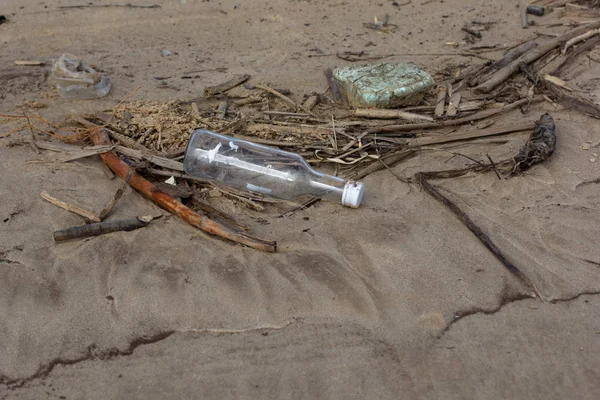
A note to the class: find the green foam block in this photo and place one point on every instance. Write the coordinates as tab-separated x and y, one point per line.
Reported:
383	85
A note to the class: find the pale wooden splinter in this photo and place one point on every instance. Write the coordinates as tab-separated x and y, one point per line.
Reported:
440	103
70	207
390	114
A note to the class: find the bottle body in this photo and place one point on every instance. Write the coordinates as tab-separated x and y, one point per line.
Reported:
263	169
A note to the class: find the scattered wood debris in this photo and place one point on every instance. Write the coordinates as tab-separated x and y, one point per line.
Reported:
149	137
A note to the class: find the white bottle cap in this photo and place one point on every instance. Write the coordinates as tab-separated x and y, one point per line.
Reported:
353	194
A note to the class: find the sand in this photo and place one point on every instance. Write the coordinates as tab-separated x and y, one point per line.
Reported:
393	300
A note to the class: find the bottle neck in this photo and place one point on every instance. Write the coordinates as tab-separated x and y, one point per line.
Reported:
326	186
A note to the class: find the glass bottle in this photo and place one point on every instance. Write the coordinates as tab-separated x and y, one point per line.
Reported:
267	170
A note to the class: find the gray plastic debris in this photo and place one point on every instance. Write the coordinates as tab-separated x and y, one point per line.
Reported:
77	80
383	85
536	10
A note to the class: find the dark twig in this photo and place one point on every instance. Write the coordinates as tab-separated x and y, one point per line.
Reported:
100	228
111	204
483	238
472	32
303	206
494	166
400	178
223	87
539	147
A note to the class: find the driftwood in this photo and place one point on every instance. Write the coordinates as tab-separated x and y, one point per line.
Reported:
311	101
453	122
388	160
176	191
539	51
539	147
124	140
101	228
73	152
389	114
582	105
558	3
297	130
284	98
89	216
247	198
588	45
165	201
515	53
268	142
578	39
556	81
222	110
453	104
579	13
77	155
469	72
285	114
58	147
87	152
246	101
141	155
429	140
223	87
462	107
440	103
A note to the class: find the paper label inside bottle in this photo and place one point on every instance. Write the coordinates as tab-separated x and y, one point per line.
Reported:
258	189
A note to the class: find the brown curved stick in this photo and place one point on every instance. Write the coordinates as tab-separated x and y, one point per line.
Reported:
163	200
